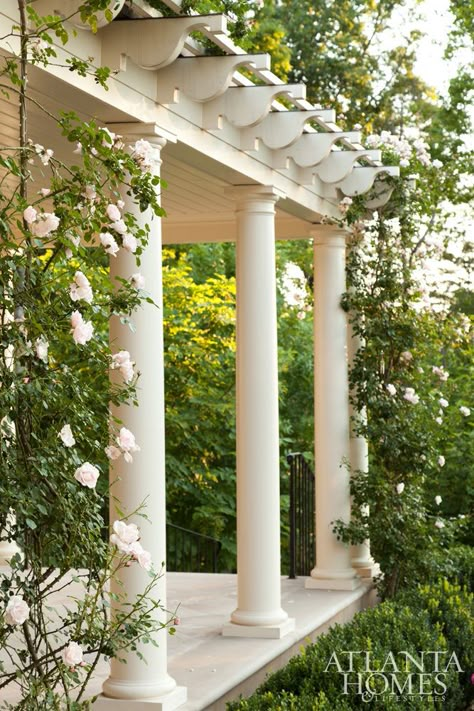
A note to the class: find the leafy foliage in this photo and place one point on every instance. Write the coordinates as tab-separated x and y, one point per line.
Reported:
56	300
437	618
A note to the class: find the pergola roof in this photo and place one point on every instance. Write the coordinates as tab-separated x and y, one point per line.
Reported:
223	127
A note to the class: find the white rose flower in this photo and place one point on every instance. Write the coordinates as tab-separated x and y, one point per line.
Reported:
441	460
72	655
443	402
113	213
438	500
406	356
66	436
129	242
109	138
81	289
113	452
45	223
440	372
82	331
126	442
41	349
89	192
124	535
373	141
109	243
392	390
121	360
138	281
400	488
119	226
46	156
143	557
411	396
16	611
30	214
465	411
87	475
439	523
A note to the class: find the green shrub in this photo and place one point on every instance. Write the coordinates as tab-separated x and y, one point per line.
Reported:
456	564
451	609
284	701
312	680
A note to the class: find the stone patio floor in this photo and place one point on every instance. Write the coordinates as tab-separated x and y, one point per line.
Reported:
216	669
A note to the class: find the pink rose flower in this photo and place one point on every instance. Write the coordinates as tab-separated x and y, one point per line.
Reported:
87	475
30	214
72	655
126	442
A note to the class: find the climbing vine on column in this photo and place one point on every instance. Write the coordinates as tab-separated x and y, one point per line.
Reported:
61	220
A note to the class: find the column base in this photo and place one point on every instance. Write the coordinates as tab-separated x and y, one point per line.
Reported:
276	631
168	702
367	570
324	579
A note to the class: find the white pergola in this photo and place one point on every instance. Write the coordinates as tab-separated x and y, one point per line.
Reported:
240	167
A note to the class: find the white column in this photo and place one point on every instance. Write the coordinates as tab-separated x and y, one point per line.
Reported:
259	612
333	569
359	459
8	548
136	684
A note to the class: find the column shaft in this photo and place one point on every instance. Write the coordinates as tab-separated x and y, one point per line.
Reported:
259	611
333	567
359	459
143	481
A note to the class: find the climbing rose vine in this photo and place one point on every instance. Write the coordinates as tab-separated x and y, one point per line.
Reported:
60	223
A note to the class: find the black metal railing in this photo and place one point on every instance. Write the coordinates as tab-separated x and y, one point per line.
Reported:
191	552
302	524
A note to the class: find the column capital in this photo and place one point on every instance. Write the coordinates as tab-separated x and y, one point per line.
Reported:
329	235
249	197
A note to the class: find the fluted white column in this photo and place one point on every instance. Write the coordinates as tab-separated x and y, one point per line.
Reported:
137	684
359	460
259	612
333	568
